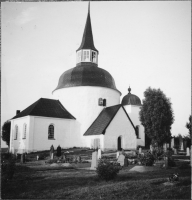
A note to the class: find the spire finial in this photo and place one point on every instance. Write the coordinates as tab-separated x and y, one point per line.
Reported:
129	89
89	7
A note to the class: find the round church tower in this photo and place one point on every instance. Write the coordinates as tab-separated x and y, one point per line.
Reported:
86	89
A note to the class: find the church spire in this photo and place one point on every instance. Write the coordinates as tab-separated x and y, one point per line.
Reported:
87	51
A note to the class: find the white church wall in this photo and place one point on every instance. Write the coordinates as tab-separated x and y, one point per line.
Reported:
90	141
133	112
120	126
61	133
82	103
20	144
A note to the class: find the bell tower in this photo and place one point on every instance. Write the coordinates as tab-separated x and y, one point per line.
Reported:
87	53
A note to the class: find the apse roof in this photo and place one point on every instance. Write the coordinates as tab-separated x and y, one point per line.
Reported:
131	99
101	123
46	108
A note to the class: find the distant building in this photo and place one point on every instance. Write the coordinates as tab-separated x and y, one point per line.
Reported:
87	112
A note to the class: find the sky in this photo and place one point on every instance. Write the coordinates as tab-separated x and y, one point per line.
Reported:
141	43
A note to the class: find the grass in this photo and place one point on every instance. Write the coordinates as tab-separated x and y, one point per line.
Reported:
30	183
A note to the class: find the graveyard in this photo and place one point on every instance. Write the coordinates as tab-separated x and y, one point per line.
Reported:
73	175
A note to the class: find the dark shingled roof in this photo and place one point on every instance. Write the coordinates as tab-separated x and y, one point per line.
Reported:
86	75
87	40
46	108
131	99
101	123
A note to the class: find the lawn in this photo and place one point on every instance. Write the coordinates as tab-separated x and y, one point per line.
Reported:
34	183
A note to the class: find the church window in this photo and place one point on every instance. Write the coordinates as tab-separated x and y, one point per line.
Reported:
51	132
16	132
24	131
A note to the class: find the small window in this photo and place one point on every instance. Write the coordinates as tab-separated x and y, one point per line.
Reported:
94	57
51	132
16	132
86	57
24	131
137	131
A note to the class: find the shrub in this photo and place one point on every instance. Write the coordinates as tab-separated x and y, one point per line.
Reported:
147	159
107	170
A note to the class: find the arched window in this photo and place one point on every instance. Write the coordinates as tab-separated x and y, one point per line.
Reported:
16	132
137	131
24	130
51	132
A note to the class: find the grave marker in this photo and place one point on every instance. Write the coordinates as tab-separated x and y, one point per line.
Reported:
94	162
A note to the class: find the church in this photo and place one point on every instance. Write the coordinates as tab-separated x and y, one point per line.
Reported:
85	110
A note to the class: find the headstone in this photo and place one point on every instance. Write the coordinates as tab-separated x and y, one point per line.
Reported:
151	148
172	142
99	153
117	156
140	149
78	159
58	151
121	160
51	152
188	154
182	144
37	157
94	162
125	162
175	151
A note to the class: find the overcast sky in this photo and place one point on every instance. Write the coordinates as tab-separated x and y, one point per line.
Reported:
141	44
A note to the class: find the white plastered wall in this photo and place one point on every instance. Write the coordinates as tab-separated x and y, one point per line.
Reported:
37	134
133	112
20	144
82	103
120	126
63	133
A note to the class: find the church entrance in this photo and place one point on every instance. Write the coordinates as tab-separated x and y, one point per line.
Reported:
119	143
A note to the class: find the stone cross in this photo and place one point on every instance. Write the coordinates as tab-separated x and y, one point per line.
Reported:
94	162
188	154
99	153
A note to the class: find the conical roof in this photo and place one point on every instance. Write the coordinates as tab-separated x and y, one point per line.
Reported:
87	40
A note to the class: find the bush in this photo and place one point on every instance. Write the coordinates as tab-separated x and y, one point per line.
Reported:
147	159
107	170
171	162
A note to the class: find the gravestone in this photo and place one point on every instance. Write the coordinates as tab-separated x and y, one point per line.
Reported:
188	154
181	144
140	149
37	157
172	142
117	156
121	160
99	153
94	162
51	152
58	151
78	159
151	148
175	151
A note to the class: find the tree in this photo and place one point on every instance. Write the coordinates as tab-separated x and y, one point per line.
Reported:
6	129
188	125
156	115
